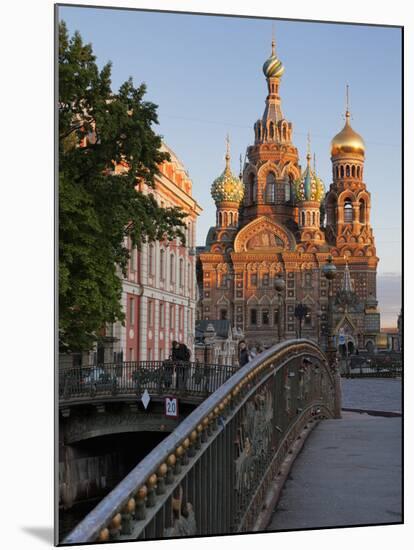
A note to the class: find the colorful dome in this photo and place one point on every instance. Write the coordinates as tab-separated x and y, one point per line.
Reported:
347	141
273	67
309	187
227	187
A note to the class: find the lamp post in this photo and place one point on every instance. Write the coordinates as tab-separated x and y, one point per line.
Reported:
279	287
329	272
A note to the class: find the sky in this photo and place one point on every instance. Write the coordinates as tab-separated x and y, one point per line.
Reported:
205	75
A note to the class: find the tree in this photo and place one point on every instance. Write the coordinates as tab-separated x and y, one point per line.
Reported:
98	131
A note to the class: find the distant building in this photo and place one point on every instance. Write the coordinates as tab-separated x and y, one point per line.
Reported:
276	219
159	292
217	342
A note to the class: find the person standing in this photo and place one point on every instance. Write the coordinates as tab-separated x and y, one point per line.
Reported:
243	353
180	354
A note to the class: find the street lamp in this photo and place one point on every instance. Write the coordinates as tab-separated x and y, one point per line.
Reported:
300	313
279	287
329	272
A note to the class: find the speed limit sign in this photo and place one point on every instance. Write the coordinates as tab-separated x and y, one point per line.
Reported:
171	407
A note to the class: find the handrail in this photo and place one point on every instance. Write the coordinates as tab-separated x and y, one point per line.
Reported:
158	464
158	377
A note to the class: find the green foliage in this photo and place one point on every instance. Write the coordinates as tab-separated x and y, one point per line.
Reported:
98	208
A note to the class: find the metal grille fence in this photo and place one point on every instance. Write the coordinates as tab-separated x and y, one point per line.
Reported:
212	474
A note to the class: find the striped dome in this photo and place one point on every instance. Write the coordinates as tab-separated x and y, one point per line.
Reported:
273	67
309	187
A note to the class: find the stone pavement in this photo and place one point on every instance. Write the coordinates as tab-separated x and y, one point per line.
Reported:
348	473
378	394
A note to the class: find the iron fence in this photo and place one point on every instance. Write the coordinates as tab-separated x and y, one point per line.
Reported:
158	377
366	370
212	474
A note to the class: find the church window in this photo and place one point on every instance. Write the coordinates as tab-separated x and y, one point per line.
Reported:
220	217
253	317
308	218
270	188
225	219
342	171
265	279
353	171
252	188
231	218
308	279
303	218
265	317
348	211
362	211
308	319
223	314
276	317
313	218
347	170
272	130
253	279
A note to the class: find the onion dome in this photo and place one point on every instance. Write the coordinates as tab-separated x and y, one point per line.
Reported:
309	187
347	141
273	67
227	187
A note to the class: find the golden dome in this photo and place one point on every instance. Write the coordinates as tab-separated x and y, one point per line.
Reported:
347	141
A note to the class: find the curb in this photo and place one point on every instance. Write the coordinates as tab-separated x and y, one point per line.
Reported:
374	412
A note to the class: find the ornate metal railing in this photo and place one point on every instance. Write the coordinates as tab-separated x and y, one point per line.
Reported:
367	370
212	474
158	377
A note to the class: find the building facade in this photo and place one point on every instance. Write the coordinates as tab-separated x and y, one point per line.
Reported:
276	219
159	292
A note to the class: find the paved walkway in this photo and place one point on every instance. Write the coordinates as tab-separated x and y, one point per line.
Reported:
348	473
378	394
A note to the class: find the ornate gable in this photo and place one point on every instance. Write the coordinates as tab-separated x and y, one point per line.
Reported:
263	235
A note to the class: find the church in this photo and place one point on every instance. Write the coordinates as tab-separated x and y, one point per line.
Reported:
276	220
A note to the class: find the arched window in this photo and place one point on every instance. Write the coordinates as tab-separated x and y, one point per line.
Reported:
162	264
220	219
181	273
353	171
347	170
270	188
284	132
287	190
302	218
348	211
336	172
362	211
265	317
252	188
313	218
308	218
272	131
225	219
172	268
253	316
151	259
342	171
231	218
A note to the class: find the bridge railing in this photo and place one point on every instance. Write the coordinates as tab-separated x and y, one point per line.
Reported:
158	377
212	474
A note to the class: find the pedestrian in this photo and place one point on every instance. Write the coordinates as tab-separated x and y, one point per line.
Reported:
244	356
181	355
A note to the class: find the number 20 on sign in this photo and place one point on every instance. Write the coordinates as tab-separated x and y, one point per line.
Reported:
171	407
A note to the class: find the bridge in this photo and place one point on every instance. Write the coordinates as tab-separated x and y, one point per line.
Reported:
216	472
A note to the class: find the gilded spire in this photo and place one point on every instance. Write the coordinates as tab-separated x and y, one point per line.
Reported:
308	150
228	153
347	113
347	141
273	41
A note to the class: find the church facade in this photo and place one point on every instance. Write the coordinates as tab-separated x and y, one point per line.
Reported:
276	220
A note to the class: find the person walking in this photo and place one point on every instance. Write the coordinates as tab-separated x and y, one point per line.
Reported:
243	353
180	354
